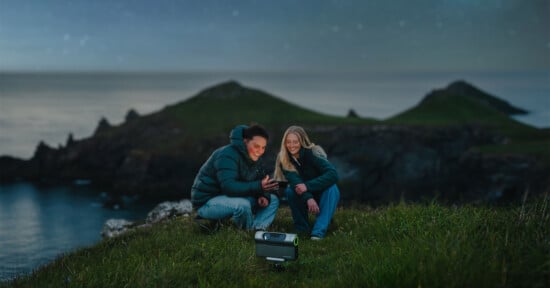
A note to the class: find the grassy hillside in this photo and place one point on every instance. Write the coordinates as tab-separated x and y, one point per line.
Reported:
214	112
223	106
396	246
462	104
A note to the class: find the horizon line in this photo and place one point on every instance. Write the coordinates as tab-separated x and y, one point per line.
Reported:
263	71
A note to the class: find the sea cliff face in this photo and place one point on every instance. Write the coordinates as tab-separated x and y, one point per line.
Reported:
378	162
388	163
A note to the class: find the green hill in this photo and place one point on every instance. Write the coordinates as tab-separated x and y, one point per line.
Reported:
459	103
220	107
158	154
462	104
209	115
215	111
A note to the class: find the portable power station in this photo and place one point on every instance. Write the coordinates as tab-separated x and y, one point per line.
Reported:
275	246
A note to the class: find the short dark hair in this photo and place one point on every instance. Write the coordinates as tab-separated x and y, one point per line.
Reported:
255	130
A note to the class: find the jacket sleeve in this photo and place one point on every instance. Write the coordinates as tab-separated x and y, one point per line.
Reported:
293	178
227	171
327	178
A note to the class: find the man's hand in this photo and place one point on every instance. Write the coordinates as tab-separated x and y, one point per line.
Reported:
269	184
263	202
312	206
300	188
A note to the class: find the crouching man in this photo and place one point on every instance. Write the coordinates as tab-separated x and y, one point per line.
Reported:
231	183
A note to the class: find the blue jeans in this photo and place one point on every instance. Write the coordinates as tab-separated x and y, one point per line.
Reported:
241	210
327	207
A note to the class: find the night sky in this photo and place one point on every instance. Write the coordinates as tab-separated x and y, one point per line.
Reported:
283	35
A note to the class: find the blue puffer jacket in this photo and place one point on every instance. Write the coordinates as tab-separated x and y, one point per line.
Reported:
229	171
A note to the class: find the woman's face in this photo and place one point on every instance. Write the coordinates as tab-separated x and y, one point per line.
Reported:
292	144
255	147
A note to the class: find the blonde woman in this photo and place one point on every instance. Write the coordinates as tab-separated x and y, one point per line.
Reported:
312	182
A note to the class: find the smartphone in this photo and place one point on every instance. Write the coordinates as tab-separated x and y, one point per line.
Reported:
282	184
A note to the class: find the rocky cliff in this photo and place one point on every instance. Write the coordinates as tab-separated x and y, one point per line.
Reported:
158	155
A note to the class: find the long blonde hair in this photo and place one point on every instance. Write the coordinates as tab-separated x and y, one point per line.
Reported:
283	160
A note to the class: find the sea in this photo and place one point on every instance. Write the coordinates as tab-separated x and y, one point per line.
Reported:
37	224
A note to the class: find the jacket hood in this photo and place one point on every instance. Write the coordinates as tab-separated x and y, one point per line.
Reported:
316	150
237	141
236	135
319	151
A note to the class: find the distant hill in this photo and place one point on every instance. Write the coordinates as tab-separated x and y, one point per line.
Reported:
464	89
459	102
459	144
214	112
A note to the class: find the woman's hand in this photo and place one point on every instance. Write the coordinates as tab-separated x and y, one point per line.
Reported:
263	202
312	206
300	188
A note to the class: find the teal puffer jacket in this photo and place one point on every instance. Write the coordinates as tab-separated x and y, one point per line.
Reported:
314	170
229	171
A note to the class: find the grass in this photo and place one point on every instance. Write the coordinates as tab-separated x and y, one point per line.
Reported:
448	109
404	245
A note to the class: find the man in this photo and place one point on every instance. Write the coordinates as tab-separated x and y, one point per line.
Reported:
232	184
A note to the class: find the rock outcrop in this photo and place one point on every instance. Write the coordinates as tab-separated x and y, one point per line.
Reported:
163	211
115	227
167	210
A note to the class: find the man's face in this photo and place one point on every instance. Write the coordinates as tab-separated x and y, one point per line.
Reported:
255	147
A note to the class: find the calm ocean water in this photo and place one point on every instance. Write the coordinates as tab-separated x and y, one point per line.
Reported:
37	223
35	107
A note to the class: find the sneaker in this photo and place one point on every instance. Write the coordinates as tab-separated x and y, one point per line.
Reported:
206	225
315	238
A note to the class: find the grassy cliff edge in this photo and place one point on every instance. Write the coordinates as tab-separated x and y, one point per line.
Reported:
397	246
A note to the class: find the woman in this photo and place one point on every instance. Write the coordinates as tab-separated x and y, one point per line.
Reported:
312	181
